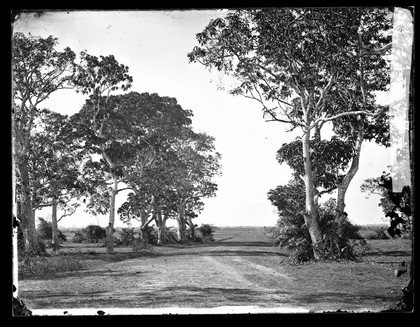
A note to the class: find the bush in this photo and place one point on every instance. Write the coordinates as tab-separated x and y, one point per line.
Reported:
171	235
89	234
152	235
207	232
79	237
291	232
378	234
25	251
44	230
47	265
126	237
198	237
94	233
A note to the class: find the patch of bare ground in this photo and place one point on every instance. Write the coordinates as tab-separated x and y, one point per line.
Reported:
244	270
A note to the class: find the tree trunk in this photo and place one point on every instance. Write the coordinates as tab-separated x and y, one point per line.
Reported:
144	235
181	223
27	217
161	225
109	240
344	185
54	237
311	216
192	228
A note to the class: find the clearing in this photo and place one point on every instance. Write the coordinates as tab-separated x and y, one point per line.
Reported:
241	272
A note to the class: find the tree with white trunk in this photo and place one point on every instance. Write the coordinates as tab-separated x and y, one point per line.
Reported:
296	62
38	70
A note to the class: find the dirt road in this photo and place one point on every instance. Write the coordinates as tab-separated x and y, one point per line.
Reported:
241	271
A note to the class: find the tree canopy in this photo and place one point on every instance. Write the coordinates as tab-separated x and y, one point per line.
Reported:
306	67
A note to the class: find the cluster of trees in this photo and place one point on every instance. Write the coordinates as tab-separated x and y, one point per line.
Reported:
307	67
119	140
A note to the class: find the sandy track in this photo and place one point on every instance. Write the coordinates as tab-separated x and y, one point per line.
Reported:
210	275
242	273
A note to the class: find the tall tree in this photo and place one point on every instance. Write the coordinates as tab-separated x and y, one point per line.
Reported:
54	161
294	62
135	132
177	181
198	163
98	77
38	70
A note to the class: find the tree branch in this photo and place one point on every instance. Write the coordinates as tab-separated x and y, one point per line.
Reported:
68	213
125	188
379	51
267	110
147	222
326	191
325	91
343	114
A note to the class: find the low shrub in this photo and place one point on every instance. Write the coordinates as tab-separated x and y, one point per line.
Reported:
171	235
94	233
79	237
378	234
152	235
125	237
44	231
207	232
25	250
47	265
89	234
291	232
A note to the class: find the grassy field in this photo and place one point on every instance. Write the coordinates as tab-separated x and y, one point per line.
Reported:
241	269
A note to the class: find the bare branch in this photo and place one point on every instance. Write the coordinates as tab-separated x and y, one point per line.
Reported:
274	118
125	188
68	213
343	114
326	191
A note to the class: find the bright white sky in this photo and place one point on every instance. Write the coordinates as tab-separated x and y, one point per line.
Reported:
154	45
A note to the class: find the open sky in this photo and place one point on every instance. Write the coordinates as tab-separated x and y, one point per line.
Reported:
154	45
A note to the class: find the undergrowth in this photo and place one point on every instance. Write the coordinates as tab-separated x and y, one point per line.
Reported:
47	265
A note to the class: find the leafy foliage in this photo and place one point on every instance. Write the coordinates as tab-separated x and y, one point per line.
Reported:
291	232
275	53
207	232
38	70
396	205
99	75
94	233
328	158
306	67
79	237
125	237
54	160
45	231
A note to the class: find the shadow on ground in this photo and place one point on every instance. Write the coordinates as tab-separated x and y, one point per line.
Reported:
388	253
339	297
187	296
